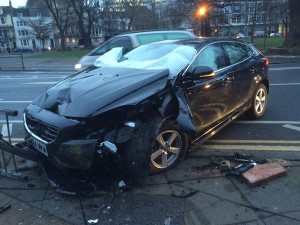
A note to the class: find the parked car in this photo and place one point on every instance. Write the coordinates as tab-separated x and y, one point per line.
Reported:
147	108
259	34
24	50
275	35
241	36
130	41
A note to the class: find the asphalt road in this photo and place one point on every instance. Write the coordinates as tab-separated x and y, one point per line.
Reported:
279	129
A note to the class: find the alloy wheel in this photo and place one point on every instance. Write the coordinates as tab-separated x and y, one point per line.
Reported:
260	101
167	148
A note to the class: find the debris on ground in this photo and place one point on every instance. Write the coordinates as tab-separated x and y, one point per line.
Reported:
263	173
254	172
224	166
167	221
93	221
184	194
4	207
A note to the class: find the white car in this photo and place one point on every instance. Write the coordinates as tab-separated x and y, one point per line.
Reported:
130	41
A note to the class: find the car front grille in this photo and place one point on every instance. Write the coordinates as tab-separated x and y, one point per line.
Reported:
42	130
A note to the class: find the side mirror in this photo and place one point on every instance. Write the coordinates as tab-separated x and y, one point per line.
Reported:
200	72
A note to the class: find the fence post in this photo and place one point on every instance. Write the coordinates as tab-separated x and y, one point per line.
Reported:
22	62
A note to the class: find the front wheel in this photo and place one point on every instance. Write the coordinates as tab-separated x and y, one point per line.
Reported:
259	102
168	149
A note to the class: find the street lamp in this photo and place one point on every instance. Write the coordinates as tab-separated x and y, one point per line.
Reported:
202	13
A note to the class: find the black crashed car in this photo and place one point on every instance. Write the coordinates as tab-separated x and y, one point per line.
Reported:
147	108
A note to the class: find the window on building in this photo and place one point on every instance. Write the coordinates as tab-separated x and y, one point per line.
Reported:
19	14
24	42
236	19
67	40
2	20
19	33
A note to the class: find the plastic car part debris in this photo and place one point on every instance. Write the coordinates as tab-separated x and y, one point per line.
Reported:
122	184
224	166
4	207
242	158
93	221
107	145
130	124
241	169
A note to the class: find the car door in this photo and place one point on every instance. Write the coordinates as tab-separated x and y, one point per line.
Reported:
241	72
208	98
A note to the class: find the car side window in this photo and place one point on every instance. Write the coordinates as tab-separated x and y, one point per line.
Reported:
124	42
211	56
236	52
113	43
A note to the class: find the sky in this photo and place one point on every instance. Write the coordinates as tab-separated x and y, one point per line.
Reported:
15	3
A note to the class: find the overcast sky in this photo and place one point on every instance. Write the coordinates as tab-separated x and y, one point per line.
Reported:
15	3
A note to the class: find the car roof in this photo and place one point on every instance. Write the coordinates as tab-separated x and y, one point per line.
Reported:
199	42
154	31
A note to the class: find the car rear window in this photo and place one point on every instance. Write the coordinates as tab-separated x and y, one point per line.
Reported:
154	37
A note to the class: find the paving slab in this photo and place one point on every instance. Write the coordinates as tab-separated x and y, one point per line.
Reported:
24	214
206	209
222	188
276	220
277	196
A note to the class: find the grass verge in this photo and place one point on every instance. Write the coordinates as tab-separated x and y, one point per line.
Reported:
270	43
60	54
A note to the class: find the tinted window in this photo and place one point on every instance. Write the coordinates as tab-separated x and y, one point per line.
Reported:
113	43
236	52
171	36
149	38
153	37
211	56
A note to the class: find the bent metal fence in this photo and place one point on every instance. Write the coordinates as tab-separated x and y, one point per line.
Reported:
7	148
11	61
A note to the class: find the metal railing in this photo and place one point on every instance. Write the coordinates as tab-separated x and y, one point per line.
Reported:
7	145
11	61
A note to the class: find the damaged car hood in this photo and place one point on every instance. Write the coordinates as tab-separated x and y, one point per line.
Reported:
95	91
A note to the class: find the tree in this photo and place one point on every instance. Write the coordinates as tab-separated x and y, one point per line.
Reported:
293	36
61	12
41	29
87	12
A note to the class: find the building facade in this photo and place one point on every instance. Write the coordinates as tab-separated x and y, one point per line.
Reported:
33	29
7	34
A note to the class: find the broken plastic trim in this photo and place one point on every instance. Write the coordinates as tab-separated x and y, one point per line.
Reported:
107	145
130	124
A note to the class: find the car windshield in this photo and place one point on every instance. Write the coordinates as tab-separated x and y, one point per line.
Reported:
170	56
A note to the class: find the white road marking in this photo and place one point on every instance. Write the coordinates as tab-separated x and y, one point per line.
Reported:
235	141
4	130
252	147
287	84
292	127
267	122
285	68
17	102
39	83
12	121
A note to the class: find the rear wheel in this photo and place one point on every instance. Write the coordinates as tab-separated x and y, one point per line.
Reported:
259	102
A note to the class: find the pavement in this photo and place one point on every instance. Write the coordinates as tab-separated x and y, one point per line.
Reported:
194	193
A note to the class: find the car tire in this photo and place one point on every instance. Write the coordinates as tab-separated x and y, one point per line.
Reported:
169	147
259	102
142	149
